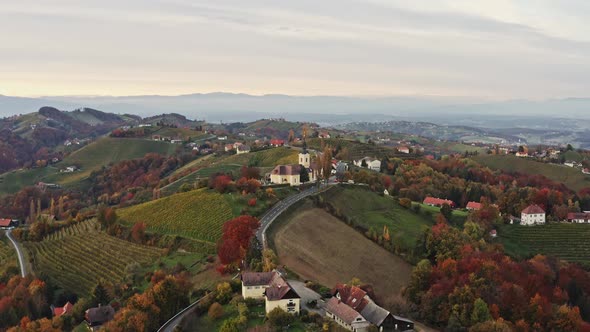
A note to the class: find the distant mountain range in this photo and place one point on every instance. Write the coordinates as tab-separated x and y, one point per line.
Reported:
327	110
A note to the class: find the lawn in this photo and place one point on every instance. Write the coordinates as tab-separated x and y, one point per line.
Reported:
197	214
563	240
571	177
459	147
458	217
366	210
318	246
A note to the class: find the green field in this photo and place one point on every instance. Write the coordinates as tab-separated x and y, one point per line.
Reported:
565	241
459	147
263	158
78	256
366	209
458	217
196	214
90	158
571	177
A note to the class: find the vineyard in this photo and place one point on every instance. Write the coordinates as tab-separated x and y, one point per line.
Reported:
78	256
566	241
196	214
7	255
356	150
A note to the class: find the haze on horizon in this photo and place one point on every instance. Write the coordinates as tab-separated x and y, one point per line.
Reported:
500	49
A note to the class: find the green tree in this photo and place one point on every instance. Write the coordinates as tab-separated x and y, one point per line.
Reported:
364	163
279	318
303	174
224	292
481	312
473	230
230	325
419	281
446	211
100	295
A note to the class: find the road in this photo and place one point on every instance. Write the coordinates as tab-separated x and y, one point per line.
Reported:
279	208
19	253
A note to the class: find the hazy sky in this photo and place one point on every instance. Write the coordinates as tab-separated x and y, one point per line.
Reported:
498	48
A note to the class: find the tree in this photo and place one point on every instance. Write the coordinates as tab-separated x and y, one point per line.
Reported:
303	174
446	211
279	318
138	232
224	292
100	295
215	311
185	187
326	163
364	163
481	312
405	202
269	260
236	237
291	135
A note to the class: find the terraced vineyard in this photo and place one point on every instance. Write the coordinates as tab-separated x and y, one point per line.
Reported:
196	214
566	241
78	256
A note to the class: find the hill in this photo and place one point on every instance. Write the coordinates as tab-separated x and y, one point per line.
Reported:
317	246
570	177
78	256
196	214
566	241
355	149
366	210
89	158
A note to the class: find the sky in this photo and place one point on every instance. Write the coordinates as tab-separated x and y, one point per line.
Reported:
497	49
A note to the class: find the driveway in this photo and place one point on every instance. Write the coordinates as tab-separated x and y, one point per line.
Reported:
308	295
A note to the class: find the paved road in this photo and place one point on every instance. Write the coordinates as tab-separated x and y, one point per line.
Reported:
279	208
19	253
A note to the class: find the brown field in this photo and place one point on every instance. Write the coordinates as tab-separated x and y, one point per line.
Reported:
318	246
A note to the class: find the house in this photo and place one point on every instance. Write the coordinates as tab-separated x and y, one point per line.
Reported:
65	310
324	134
176	141
473	206
570	163
586	171
493	233
366	311
277	142
578	218
438	202
532	215
371	163
98	316
273	288
145	125
228	147
8	223
345	316
522	154
243	149
403	149
70	169
222	138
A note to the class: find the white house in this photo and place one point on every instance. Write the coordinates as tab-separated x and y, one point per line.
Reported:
273	288
372	163
242	149
345	316
532	215
522	154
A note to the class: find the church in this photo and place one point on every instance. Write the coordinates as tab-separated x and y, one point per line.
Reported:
291	174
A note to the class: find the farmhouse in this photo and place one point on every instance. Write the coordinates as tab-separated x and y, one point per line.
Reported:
579	218
403	149
228	147
368	162
273	288
522	154
352	308
98	316
277	142
243	149
532	215
7	223
473	206
59	311
438	202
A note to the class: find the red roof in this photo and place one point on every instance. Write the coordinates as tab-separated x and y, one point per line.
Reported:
341	310
5	222
474	205
277	142
533	209
352	296
437	201
66	309
578	216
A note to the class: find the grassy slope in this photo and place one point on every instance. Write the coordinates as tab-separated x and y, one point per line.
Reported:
566	241
195	176
459	147
458	219
368	209
77	257
320	247
91	157
356	150
196	214
7	255
572	178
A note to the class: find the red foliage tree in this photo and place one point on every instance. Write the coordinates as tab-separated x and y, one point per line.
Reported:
235	241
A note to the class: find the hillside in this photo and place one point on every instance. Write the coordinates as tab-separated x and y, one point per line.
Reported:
356	149
196	214
8	260
566	241
89	158
570	177
317	246
367	210
78	256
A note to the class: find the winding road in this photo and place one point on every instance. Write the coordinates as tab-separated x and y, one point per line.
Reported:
19	253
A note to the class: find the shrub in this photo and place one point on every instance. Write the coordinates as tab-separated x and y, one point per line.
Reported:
406	203
215	311
279	318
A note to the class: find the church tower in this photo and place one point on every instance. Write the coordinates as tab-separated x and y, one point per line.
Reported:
304	158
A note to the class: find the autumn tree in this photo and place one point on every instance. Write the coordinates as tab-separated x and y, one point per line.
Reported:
138	232
236	237
215	311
